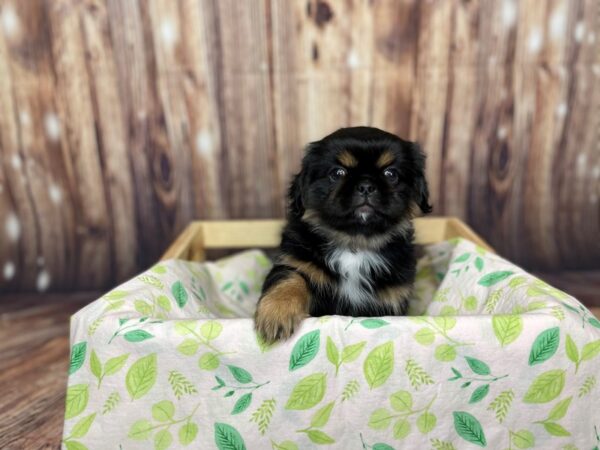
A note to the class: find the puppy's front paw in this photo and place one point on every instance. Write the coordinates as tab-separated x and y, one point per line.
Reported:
277	319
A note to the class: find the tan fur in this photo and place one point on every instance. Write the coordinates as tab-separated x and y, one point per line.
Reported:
354	242
347	159
395	295
312	272
385	159
282	308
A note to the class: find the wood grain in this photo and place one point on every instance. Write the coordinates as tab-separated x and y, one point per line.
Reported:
34	367
122	121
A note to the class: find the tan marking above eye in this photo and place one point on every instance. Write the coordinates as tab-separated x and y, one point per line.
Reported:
385	159
347	159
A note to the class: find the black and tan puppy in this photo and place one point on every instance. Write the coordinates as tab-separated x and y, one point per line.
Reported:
348	245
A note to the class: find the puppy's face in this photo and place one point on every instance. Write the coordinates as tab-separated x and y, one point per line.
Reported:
360	180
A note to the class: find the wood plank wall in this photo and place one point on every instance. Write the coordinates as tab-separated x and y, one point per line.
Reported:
120	121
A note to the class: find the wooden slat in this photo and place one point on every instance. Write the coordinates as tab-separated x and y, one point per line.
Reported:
205	235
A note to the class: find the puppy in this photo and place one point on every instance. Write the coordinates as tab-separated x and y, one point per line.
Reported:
347	247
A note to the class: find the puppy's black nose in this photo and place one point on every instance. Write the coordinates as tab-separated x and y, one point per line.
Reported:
365	187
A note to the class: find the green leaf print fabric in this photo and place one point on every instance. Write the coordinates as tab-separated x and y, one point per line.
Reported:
489	357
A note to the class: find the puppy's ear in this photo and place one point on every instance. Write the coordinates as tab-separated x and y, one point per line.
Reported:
295	196
421	191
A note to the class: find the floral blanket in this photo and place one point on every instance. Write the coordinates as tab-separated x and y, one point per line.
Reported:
490	357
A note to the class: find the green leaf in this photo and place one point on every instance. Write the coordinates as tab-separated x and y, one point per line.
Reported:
479	263
76	401
380	419
546	387
180	294
116	295
470	303
187	433
477	366
244	287
318	437
184	327
492	300
590	350
137	335
572	351
401	401
114	305
560	410
209	361
211	330
507	328
242	404
229	394
164	302
75	445
352	352
445	353
555	429
308	392
457	374
445	323
594	322
494	277
141	376
162	440
305	350
180	384
228	438
425	336
544	346
159	269
113	365
188	347
480	393
438	444
416	375
82	427
462	258
379	364
469	428
95	365
287	445
517	281
321	417
373	323
426	422
141	430
381	446
227	286
77	357
143	307
263	345
523	439
163	411
333	354
241	375
401	429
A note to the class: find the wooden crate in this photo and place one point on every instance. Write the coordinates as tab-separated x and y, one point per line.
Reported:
200	236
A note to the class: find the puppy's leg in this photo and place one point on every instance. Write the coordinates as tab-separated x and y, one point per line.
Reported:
285	301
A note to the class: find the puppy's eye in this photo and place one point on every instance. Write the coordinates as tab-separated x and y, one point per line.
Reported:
337	173
391	174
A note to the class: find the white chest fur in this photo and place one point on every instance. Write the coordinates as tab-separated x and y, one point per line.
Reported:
356	270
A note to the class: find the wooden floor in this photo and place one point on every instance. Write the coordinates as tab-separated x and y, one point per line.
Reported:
34	350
